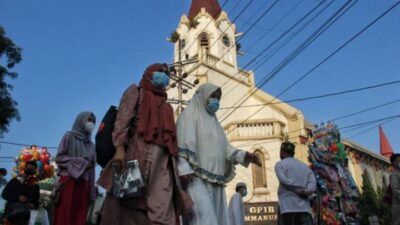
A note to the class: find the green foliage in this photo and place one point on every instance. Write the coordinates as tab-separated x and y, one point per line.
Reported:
193	23
371	203
174	37
384	211
11	55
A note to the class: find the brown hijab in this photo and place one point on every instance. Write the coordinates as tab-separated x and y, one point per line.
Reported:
156	117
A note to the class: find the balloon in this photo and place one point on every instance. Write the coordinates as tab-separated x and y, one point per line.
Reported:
334	148
340	146
26	157
21	157
35	155
47	156
43	158
39	165
46	168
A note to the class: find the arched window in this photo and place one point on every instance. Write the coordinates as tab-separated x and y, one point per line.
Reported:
204	42
226	40
259	173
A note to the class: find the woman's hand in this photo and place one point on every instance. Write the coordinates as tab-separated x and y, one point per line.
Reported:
119	158
252	158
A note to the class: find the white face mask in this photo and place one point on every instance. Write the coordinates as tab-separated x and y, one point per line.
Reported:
89	127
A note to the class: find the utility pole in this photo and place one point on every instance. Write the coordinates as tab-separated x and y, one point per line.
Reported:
176	74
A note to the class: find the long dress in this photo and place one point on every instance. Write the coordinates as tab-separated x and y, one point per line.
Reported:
77	179
164	197
206	154
236	209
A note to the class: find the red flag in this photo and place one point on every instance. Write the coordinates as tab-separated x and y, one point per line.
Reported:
386	149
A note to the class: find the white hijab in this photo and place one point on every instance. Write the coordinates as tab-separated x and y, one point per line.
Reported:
202	141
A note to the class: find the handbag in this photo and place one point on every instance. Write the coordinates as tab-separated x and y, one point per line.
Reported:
129	182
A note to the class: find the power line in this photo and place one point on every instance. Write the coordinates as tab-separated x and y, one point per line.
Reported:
276	50
369	129
321	29
274	26
366	110
336	51
369	122
276	40
389	119
325	96
24	145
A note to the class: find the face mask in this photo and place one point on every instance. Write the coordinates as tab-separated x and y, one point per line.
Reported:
160	79
243	193
29	172
89	127
212	106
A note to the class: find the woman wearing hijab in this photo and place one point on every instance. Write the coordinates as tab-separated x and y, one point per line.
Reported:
76	159
145	131
207	160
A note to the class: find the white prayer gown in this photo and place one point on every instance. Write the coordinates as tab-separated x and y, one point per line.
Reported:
236	209
206	154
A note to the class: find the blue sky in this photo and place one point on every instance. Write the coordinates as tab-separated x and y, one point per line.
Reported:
81	55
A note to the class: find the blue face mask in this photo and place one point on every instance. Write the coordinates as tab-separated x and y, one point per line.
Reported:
212	106
160	79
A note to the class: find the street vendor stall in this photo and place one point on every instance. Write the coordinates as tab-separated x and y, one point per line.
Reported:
337	201
44	176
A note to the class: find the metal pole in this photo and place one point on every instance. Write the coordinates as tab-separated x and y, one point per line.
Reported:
180	88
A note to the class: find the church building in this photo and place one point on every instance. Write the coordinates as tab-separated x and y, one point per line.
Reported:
207	36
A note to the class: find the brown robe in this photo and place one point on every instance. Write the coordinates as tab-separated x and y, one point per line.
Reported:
164	197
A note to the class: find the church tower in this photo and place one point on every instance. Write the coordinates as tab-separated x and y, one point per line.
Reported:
208	37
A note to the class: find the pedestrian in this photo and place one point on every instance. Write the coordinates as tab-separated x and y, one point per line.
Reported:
23	188
395	187
17	214
145	130
236	208
76	160
207	160
3	182
296	185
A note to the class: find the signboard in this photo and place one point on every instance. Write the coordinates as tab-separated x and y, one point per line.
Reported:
264	213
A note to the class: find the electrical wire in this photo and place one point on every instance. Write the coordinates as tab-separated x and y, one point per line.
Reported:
280	47
24	145
337	50
276	40
317	33
323	96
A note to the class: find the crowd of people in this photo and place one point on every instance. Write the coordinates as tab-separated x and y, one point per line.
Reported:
184	167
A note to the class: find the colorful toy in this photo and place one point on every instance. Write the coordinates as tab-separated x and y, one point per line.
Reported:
38	155
338	194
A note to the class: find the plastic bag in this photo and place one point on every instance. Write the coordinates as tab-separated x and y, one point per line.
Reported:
128	183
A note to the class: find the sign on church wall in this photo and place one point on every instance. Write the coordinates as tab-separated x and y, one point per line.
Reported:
264	213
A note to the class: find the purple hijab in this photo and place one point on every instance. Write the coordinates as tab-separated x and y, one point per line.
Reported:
76	153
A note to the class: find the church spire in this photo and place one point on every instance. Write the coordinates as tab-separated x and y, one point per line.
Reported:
211	6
